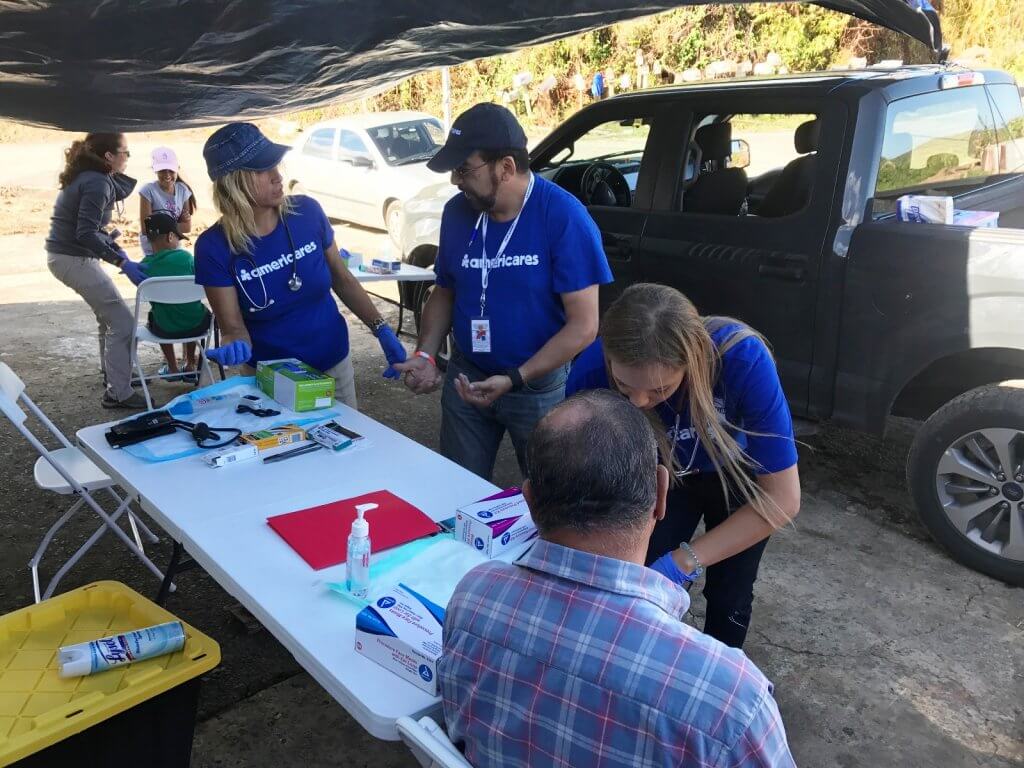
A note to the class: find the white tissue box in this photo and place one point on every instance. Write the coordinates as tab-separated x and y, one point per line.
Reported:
496	525
401	631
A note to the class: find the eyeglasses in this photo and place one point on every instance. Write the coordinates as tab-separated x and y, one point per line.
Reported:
462	172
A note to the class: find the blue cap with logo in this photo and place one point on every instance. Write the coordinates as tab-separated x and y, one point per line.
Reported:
240	146
484	126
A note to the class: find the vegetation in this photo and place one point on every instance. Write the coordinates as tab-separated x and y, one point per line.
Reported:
805	37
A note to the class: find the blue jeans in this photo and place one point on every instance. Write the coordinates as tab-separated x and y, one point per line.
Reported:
471	436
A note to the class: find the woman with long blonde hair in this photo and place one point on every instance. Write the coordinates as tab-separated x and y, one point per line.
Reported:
270	264
712	389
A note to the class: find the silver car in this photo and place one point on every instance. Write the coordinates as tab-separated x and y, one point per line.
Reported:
363	168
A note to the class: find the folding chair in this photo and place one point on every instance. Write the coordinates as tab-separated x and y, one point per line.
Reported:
167	290
67	471
429	744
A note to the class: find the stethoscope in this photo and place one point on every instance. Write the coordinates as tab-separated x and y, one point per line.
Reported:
294	282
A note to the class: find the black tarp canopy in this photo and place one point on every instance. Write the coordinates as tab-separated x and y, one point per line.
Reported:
146	64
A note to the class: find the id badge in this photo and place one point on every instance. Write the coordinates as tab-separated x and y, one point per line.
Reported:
480	328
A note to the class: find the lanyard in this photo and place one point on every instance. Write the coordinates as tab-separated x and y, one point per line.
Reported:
481	225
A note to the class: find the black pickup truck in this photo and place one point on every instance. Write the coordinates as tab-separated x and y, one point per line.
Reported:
774	201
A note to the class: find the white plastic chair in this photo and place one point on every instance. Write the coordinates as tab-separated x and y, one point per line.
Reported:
429	743
167	290
67	471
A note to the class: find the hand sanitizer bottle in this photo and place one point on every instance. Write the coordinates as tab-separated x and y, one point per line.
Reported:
357	561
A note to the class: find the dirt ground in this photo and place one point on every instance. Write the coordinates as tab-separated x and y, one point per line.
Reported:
884	652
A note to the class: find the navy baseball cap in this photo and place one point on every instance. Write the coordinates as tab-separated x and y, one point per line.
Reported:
161	223
240	146
484	126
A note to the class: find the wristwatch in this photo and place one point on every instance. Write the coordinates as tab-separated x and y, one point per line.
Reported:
377	324
517	378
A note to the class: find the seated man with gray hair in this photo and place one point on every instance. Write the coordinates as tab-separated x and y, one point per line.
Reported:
576	654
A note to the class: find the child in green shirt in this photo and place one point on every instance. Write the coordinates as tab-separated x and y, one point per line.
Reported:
173	321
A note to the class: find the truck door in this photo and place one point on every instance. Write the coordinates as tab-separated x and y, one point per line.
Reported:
747	241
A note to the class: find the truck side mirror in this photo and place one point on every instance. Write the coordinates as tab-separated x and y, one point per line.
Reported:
740	154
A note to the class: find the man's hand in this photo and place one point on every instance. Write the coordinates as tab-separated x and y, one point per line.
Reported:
420	375
482	393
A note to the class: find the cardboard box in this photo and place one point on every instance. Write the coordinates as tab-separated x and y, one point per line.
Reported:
294	384
976	218
384	266
495	525
401	631
265	439
231	454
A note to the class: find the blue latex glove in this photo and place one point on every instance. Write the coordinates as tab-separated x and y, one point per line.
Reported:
393	350
667	567
133	270
235	353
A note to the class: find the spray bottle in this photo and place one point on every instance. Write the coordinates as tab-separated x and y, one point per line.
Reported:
357	560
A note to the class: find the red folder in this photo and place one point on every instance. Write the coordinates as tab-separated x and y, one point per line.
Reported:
320	534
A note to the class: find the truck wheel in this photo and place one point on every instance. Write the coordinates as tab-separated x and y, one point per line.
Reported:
966	473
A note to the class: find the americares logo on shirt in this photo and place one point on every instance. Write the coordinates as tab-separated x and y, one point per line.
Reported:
280	262
496	262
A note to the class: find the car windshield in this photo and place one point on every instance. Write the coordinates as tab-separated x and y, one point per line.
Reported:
410	142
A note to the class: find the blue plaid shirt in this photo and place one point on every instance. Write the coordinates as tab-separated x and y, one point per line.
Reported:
571	659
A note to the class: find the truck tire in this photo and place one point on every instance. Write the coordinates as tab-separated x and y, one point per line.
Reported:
965	471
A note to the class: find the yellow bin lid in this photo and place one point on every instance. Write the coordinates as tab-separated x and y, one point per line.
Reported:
38	708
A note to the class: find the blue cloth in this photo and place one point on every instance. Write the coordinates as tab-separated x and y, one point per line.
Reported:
306	323
556	248
747	393
565	658
597	86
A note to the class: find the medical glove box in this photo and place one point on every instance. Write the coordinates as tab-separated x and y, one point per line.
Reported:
294	384
495	525
401	631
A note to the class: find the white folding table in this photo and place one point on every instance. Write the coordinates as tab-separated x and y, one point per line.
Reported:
407	274
219	516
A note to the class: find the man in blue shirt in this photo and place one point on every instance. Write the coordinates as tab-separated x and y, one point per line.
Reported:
518	267
576	654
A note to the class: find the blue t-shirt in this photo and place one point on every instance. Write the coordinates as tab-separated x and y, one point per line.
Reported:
305	323
748	394
555	249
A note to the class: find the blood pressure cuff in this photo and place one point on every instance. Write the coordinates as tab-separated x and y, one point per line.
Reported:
140	429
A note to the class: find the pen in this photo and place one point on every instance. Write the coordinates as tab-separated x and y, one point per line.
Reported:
293	452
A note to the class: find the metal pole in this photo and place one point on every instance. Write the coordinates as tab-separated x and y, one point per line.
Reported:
446	98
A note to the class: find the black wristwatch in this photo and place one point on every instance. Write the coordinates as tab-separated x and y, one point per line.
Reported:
517	379
377	324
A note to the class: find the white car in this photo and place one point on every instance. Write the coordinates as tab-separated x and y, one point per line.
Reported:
363	168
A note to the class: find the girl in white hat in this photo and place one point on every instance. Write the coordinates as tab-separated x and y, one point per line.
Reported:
168	194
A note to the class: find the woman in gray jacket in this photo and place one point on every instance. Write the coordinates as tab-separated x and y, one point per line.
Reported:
91	185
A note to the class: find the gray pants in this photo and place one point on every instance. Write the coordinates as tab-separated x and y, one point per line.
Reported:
87	278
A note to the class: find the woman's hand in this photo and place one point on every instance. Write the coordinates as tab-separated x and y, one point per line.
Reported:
393	351
233	353
132	270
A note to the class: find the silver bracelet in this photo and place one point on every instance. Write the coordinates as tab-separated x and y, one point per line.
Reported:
699	569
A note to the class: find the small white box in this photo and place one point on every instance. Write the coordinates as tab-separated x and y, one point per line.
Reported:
925	209
385	266
231	454
980	219
401	631
495	525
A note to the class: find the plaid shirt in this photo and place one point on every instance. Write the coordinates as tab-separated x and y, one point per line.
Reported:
571	659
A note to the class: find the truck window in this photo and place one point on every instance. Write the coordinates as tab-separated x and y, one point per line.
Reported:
941	143
1008	154
616	143
759	163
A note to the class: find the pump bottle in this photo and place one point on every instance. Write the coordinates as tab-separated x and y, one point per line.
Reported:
357	559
